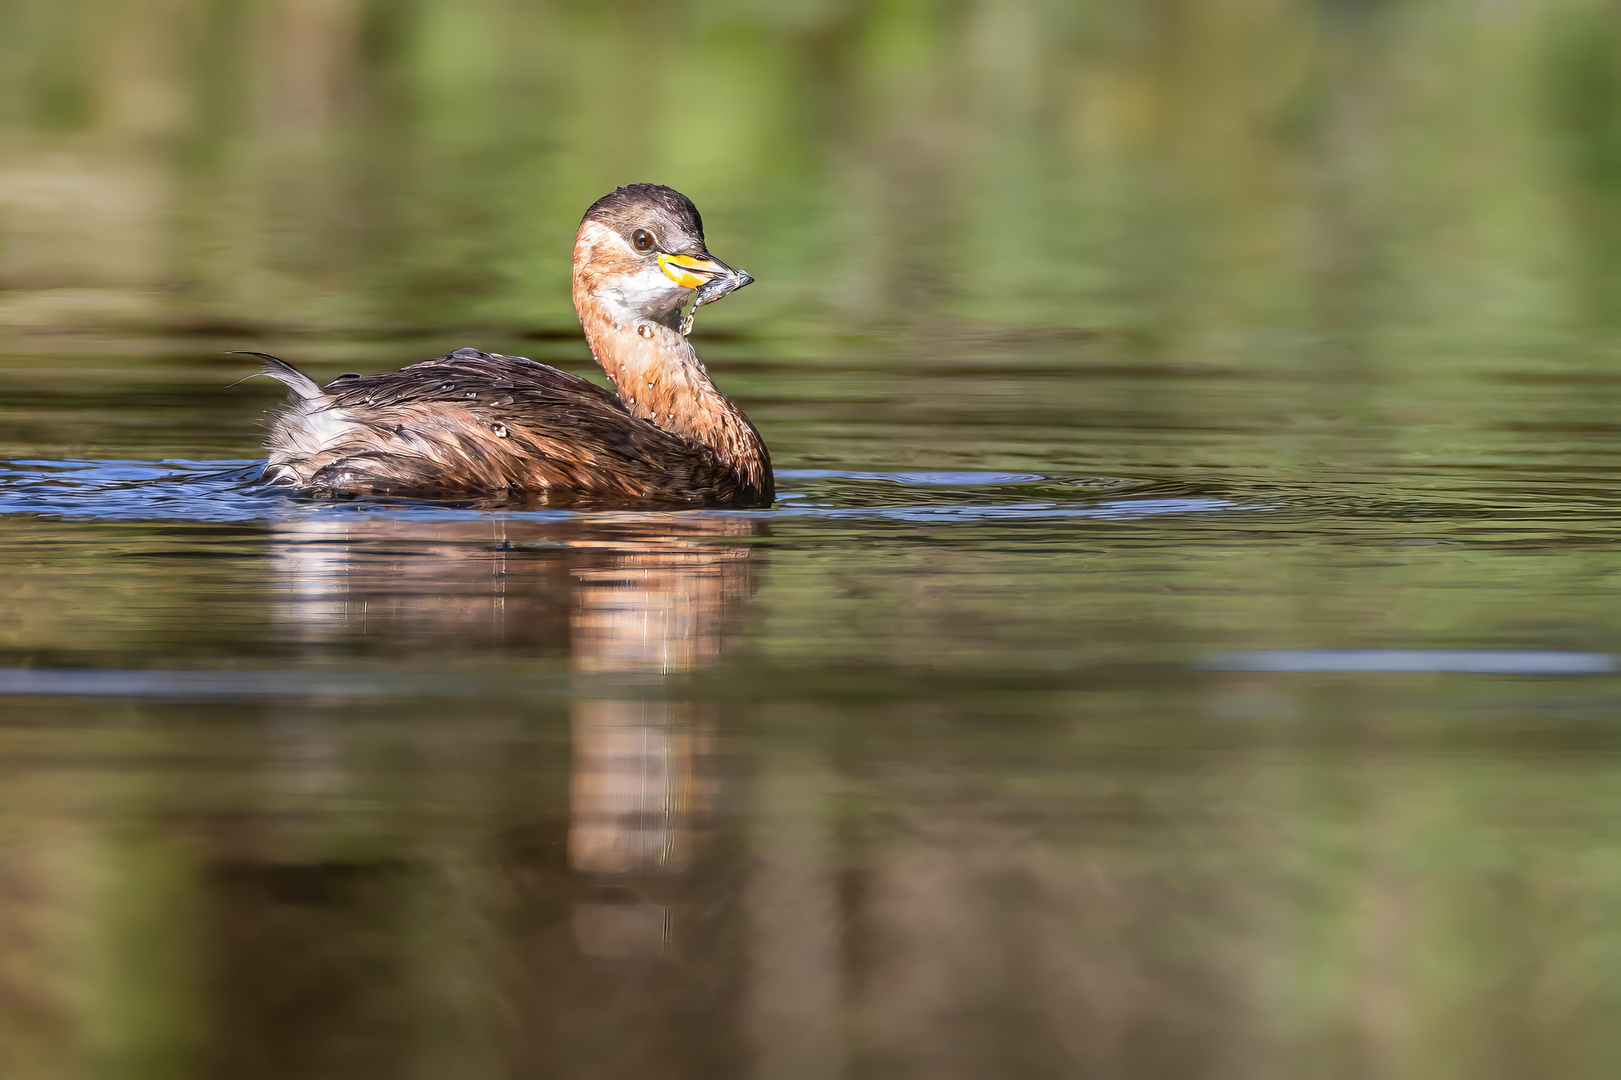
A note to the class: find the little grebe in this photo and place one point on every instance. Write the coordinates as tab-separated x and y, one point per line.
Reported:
473	423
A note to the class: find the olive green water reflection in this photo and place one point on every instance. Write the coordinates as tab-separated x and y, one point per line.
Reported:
1298	317
826	795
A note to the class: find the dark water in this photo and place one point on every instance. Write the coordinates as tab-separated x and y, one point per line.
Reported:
1186	644
1198	756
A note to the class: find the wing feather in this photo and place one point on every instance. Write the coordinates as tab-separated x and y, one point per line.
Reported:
477	422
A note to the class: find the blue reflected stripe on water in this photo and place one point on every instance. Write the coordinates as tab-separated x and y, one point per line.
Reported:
919	479
221	492
1116	510
1455	661
217	685
98	682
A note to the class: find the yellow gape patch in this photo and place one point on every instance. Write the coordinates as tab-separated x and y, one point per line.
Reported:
687	271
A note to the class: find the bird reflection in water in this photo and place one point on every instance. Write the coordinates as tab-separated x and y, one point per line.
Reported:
643	782
630	600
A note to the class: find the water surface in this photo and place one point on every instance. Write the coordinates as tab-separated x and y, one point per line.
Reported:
1186	755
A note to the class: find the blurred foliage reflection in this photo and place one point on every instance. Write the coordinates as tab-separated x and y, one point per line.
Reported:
1183	172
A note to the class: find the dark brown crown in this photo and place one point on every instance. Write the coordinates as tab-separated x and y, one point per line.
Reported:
669	214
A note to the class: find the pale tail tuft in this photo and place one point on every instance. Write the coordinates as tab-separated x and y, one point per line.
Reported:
295	380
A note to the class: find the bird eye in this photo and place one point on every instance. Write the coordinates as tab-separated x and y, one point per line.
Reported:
642	239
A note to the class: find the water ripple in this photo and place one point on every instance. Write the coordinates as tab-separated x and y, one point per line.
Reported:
229	491
1418	661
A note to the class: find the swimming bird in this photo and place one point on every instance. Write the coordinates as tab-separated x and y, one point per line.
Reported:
479	424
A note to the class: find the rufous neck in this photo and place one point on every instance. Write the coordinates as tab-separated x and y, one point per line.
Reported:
659	379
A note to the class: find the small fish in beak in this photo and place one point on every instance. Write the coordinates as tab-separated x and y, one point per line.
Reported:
711	278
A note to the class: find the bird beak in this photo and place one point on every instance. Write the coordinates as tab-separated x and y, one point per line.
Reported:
712	278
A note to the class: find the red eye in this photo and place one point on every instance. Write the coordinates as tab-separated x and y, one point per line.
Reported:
642	239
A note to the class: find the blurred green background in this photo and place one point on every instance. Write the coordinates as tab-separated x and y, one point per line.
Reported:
1176	171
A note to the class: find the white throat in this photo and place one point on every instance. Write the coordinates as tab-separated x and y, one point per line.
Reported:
627	299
